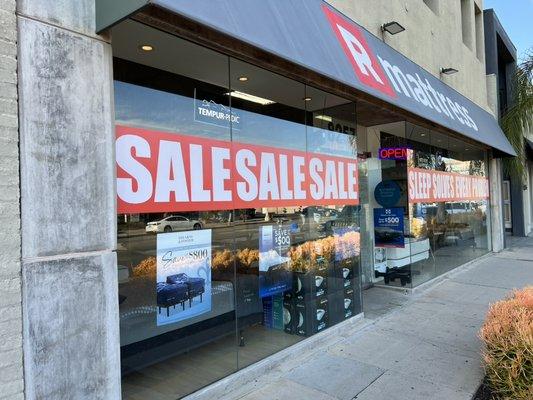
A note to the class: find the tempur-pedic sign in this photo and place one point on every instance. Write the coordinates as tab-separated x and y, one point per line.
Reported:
381	74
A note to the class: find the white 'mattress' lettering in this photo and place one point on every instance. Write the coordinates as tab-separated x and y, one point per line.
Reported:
454	110
359	54
417	89
170	162
125	160
248	189
397	78
424	93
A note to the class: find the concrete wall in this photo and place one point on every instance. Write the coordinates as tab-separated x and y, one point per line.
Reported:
497	223
69	278
11	371
431	39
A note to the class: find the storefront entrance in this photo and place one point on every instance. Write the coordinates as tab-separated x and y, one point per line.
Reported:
255	210
239	216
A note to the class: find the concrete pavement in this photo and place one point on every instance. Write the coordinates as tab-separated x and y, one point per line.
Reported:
425	348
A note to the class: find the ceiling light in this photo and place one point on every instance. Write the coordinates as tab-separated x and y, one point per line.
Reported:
243	78
250	97
422	134
448	71
392	27
146	47
306	99
326	118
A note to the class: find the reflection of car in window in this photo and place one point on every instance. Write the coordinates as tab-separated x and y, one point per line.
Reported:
457	208
173	223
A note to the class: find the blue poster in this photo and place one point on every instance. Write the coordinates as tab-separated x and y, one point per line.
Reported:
183	275
388	227
387	193
275	275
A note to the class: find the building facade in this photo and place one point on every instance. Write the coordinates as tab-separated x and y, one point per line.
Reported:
501	62
196	190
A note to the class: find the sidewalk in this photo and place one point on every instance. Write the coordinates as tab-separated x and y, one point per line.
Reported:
426	348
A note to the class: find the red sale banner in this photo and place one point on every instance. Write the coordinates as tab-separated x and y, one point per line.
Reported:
426	186
166	172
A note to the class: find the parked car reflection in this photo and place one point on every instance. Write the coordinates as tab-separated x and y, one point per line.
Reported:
173	223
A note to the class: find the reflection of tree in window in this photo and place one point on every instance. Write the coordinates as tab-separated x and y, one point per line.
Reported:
476	168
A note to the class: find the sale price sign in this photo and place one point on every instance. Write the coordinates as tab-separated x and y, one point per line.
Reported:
162	172
388	227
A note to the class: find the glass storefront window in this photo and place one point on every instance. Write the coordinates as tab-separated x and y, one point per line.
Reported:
253	210
428	195
239	215
173	314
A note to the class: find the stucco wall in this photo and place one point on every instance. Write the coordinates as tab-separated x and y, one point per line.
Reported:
432	40
11	370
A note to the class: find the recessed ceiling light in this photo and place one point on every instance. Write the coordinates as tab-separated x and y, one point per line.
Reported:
250	97
326	118
146	47
306	99
422	134
243	78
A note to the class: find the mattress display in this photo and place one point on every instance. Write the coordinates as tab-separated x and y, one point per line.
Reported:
138	311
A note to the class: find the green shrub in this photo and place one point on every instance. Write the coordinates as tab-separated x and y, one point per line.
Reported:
508	337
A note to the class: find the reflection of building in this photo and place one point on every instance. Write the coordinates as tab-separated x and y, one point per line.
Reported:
201	94
501	60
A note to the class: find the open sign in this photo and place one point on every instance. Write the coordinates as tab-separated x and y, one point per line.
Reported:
393	153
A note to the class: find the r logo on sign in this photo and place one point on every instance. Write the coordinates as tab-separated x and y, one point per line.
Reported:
365	64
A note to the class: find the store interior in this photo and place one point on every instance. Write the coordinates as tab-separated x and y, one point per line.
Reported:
251	313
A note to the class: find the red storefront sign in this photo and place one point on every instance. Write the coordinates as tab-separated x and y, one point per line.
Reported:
364	62
166	172
426	186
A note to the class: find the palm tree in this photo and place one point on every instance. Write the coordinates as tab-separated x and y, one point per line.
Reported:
518	118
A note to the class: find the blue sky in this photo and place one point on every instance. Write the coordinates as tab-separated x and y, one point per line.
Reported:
516	16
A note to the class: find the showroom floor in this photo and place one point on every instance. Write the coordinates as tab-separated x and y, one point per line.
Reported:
177	376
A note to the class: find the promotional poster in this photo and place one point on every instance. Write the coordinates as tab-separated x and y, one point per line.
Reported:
388	227
169	172
387	193
183	275
274	265
427	186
